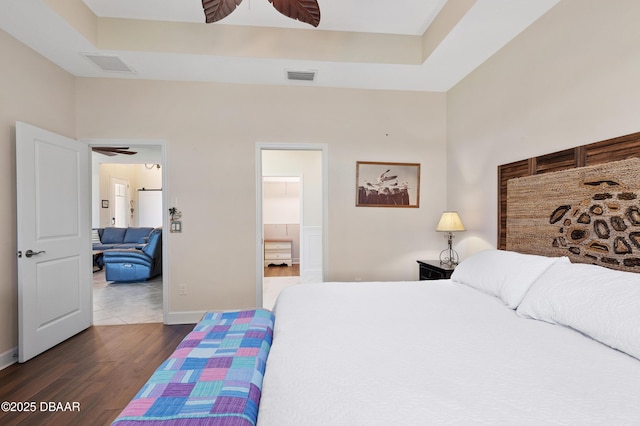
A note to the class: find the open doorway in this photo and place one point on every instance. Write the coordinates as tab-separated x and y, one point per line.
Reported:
282	222
127	194
291	217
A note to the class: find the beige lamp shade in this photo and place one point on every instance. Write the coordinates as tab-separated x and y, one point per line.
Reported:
450	222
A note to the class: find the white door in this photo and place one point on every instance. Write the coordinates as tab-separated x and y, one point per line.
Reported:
119	202
54	261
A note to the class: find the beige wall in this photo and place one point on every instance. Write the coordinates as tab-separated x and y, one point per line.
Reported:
211	131
35	91
572	78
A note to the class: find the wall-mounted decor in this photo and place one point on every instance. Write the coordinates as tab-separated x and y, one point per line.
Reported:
175	224
590	214
387	184
614	149
105	204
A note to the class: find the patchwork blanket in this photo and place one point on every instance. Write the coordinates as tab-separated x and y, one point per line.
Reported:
214	377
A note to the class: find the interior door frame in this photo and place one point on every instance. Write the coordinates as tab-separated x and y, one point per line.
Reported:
265	146
132	143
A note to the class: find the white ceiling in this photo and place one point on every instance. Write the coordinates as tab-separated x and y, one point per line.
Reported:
487	27
411	18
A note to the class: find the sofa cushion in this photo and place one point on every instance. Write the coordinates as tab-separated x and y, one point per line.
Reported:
117	246
103	246
133	256
113	235
136	235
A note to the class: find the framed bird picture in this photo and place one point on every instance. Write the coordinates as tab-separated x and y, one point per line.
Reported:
387	184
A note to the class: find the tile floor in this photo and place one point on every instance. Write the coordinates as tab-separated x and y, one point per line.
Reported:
126	303
272	286
132	303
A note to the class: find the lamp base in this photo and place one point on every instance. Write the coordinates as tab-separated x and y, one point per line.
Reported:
449	256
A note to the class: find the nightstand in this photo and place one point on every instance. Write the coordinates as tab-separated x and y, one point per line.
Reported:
433	270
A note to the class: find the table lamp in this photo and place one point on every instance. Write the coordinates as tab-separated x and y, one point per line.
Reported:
449	222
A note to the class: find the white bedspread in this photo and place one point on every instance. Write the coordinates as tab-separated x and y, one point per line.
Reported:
434	353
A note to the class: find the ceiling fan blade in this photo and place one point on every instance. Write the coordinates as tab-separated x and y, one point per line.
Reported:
109	148
307	11
107	153
113	150
215	10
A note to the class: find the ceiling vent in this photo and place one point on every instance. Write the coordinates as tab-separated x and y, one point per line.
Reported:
301	75
110	63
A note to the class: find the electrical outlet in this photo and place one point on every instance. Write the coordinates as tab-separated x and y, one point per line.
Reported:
183	289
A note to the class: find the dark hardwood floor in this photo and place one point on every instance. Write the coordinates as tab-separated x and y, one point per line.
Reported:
101	369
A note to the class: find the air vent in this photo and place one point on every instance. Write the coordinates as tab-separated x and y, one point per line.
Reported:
301	75
110	63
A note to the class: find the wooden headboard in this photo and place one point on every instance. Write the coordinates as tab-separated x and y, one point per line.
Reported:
569	167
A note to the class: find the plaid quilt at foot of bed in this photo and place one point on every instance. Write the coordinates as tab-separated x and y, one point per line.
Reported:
214	377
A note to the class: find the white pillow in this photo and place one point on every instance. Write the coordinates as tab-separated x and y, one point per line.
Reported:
602	303
504	274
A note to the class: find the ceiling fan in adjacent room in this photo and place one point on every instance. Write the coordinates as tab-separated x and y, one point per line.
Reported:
113	150
307	11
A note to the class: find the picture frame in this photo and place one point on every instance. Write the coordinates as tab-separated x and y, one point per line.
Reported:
105	204
383	184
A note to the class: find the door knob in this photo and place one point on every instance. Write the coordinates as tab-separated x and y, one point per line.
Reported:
31	253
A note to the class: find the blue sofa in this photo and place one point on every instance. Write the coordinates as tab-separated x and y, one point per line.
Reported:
111	238
135	264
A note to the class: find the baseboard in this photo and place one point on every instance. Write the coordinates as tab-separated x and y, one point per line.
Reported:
9	357
187	317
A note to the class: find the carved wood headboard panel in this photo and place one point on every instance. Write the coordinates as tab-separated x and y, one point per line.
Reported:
591	214
606	151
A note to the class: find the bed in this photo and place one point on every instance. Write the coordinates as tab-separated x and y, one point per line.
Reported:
510	339
545	332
